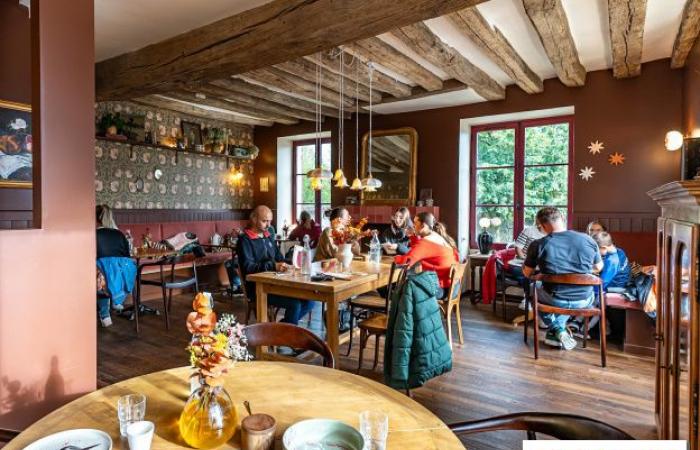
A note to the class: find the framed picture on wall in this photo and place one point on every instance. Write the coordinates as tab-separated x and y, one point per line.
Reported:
16	160
193	132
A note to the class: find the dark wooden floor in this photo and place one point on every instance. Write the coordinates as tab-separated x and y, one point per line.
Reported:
493	373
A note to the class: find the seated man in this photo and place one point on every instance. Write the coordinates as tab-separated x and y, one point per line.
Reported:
306	226
258	252
522	243
561	252
616	267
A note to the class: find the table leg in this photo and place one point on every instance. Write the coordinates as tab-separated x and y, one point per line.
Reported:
261	313
332	335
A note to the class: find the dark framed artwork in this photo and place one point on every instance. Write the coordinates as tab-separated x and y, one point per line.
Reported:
193	132
16	160
690	160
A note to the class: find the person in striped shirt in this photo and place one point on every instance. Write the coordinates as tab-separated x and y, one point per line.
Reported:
525	238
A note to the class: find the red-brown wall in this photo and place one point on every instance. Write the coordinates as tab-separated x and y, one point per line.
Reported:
629	116
691	93
47	299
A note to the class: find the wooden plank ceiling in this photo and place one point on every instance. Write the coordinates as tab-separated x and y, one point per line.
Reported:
258	68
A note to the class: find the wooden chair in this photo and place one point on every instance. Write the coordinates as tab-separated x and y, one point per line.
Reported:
451	301
274	334
504	281
250	306
559	426
376	325
574	279
166	282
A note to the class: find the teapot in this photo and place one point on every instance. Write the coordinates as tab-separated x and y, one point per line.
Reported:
215	239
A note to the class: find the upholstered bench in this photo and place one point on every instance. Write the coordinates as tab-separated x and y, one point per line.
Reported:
639	327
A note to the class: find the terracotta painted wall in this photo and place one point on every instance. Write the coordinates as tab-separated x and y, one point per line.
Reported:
629	116
691	93
47	306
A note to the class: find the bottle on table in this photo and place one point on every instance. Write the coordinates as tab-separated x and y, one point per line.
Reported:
375	249
130	240
306	256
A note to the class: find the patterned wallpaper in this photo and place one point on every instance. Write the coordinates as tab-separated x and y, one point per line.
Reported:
190	181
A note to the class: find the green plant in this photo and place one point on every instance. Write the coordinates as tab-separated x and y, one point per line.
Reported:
109	120
215	135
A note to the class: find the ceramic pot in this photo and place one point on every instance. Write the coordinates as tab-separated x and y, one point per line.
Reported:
485	242
344	256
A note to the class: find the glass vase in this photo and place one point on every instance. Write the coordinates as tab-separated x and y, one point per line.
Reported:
209	418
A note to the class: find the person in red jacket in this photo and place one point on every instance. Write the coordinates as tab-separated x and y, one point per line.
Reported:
433	248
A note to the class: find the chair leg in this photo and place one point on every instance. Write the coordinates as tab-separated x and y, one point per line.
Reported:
248	312
352	327
376	352
603	340
459	323
137	304
449	324
363	342
165	307
585	331
503	299
536	313
525	322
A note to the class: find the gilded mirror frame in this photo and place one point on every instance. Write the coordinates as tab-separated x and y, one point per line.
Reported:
413	135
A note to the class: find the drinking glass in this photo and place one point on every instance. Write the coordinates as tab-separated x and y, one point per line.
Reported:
374	428
130	408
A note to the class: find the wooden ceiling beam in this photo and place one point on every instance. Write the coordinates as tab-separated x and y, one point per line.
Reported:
330	80
285	82
494	45
201	99
379	52
272	33
687	33
158	101
380	81
395	152
429	46
549	19
626	19
450	85
260	92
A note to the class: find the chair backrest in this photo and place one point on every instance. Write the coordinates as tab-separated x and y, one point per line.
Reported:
286	334
582	279
456	278
402	270
559	426
243	287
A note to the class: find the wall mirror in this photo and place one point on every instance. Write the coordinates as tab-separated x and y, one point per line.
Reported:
394	163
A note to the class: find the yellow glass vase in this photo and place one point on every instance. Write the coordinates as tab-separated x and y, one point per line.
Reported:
209	418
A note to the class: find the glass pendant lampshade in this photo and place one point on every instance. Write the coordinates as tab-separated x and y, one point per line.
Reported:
318	172
371	183
356	185
338	174
341	182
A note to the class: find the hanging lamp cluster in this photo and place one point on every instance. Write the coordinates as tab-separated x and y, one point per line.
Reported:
318	174
370	184
357	183
340	180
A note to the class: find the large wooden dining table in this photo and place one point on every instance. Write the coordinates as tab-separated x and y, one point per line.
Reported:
289	392
365	278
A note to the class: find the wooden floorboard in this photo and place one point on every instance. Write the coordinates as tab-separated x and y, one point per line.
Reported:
494	372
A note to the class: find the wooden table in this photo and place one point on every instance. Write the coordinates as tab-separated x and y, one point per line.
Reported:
289	392
329	292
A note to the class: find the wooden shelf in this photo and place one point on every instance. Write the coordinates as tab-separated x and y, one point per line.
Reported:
174	149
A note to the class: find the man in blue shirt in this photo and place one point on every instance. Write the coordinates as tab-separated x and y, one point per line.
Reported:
561	252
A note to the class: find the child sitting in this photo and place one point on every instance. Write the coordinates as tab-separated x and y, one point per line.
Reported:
616	267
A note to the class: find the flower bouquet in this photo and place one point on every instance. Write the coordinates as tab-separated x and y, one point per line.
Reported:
349	233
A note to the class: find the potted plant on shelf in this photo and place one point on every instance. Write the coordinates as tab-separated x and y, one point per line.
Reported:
111	126
215	140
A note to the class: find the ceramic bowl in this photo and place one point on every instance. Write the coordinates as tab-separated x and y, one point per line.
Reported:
329	433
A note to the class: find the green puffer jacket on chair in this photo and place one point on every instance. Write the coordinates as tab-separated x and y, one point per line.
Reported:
416	347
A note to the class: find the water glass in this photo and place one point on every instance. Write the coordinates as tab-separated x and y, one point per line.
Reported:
374	428
130	408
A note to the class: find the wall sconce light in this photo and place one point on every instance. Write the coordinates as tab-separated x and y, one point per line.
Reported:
235	175
673	141
264	184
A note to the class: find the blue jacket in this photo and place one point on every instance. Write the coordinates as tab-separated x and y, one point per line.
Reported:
616	269
120	273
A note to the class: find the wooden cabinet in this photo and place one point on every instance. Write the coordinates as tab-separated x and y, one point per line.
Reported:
677	337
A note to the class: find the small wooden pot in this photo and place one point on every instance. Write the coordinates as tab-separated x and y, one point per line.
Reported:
258	432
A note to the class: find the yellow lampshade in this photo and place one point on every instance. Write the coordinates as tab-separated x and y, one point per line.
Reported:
356	185
316	183
338	174
342	182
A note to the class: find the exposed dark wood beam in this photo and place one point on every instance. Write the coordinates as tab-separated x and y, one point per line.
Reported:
260	92
418	92
307	70
626	19
687	33
158	101
275	32
201	99
380	81
552	26
492	42
429	46
379	52
286	82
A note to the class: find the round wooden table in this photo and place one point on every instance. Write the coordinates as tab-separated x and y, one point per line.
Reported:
289	392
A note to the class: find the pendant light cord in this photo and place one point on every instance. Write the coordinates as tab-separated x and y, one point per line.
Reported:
341	125
369	151
357	119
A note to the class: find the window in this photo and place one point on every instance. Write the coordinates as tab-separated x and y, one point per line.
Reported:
516	169
304	198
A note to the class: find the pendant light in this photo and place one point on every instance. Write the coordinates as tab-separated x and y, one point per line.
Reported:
317	175
339	177
370	183
357	183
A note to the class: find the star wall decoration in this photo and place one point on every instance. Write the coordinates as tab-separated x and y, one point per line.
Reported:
616	159
595	147
586	173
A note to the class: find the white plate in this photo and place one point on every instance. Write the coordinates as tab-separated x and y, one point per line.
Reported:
332	434
80	438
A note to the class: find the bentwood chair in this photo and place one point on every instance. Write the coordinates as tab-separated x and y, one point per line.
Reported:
558	426
503	282
377	324
250	307
578	279
451	301
167	282
272	334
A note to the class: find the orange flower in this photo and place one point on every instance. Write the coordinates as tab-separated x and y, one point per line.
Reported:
201	304
198	323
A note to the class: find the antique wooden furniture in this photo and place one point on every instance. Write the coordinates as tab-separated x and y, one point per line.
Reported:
275	334
451	301
677	333
366	277
559	426
394	162
314	391
577	279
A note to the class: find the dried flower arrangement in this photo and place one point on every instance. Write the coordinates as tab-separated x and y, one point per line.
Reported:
345	234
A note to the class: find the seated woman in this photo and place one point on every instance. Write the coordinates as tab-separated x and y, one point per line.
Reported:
433	248
326	248
616	267
306	226
595	227
396	236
